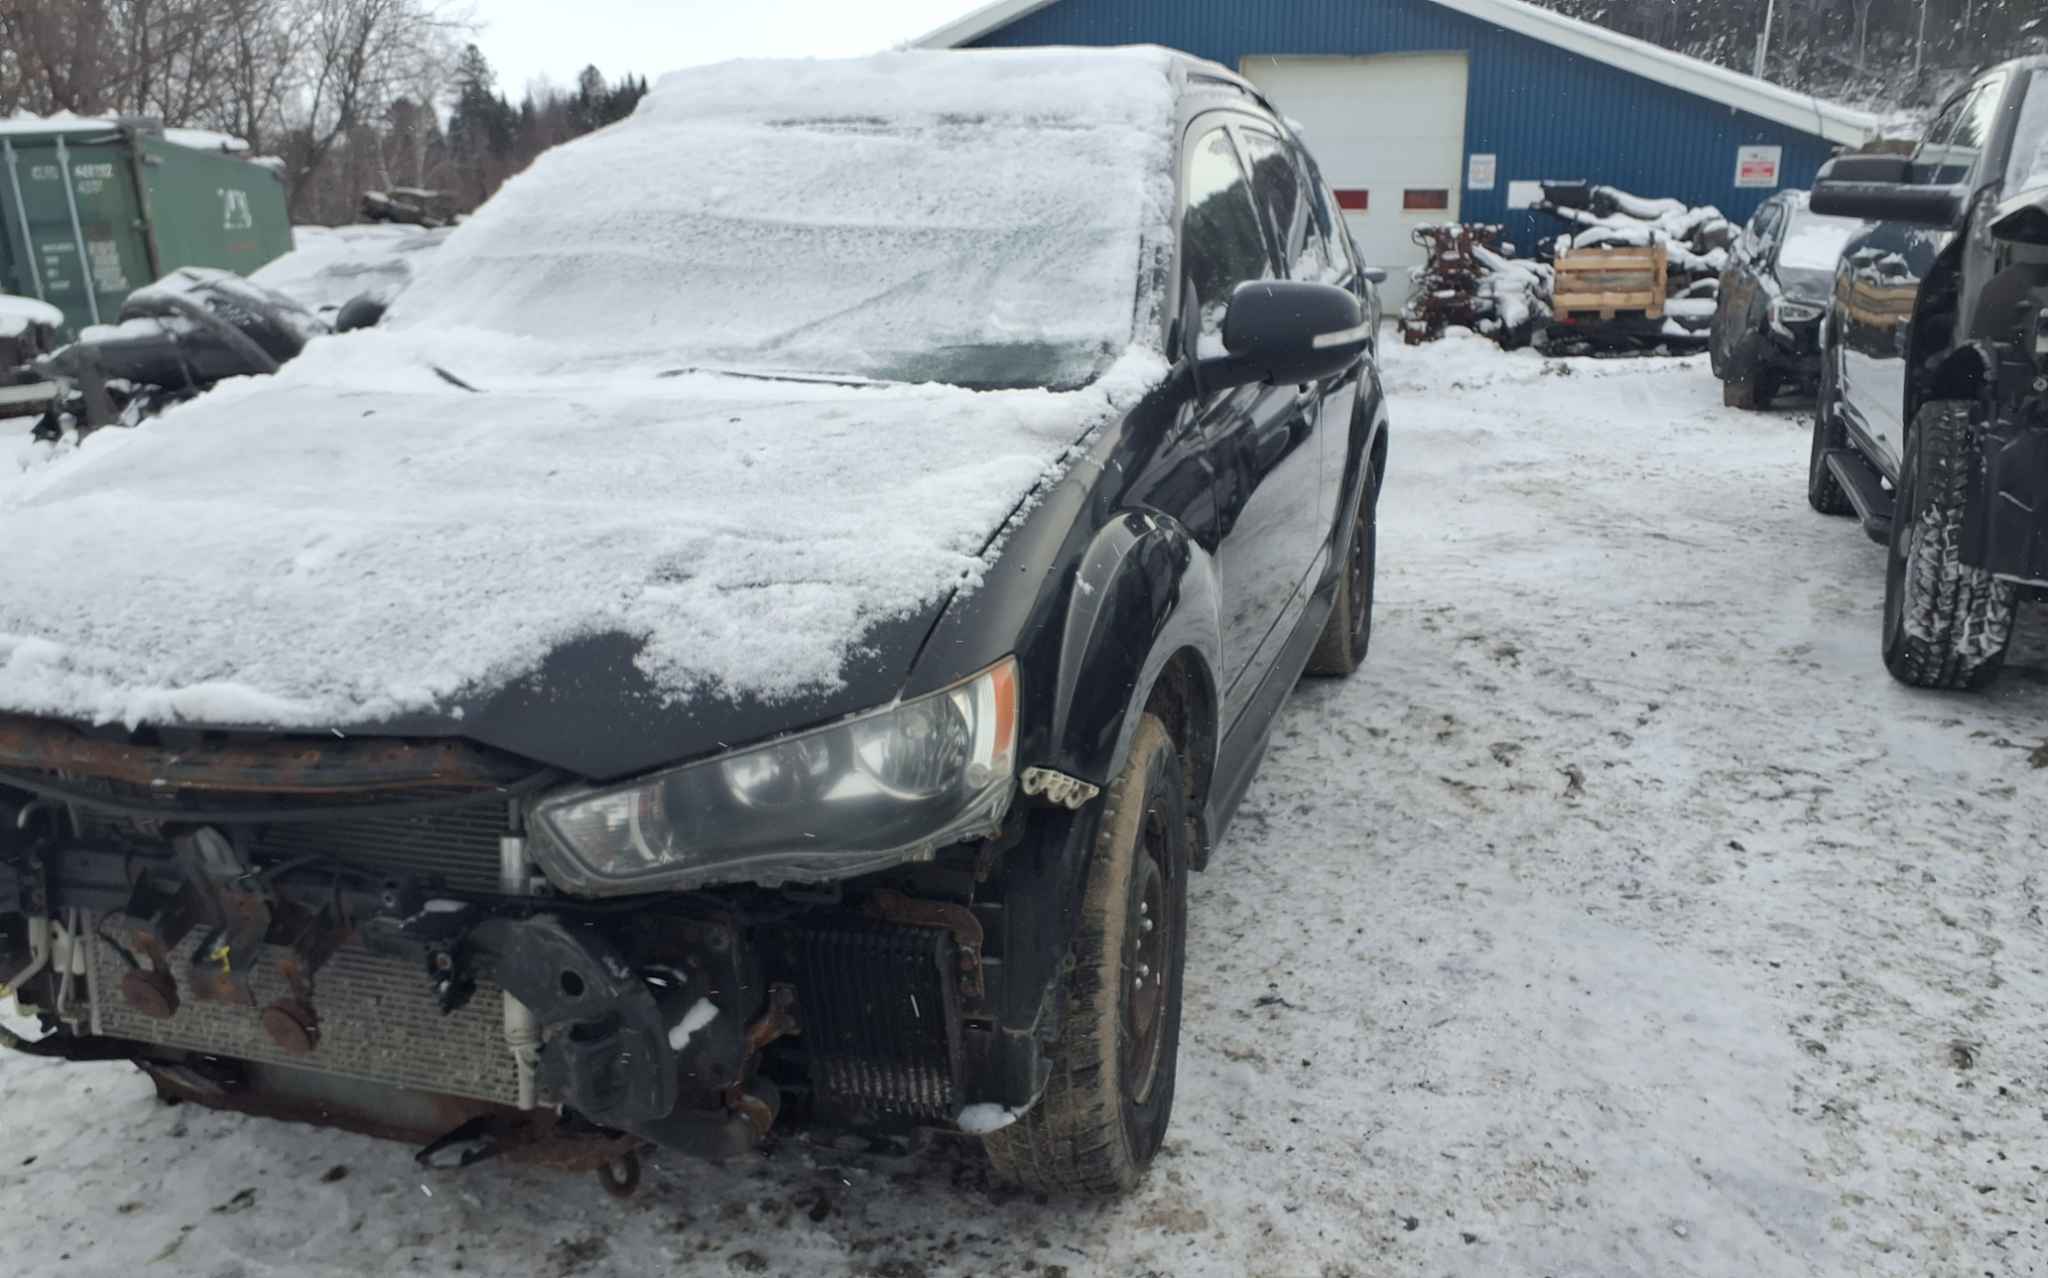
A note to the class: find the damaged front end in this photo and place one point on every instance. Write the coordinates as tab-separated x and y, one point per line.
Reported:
383	935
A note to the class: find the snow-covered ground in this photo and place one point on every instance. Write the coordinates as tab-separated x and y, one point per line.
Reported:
1620	917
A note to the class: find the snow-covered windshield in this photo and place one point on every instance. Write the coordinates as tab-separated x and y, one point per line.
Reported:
1813	244
972	218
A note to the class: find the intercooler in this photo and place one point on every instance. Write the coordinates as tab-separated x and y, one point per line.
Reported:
378	1019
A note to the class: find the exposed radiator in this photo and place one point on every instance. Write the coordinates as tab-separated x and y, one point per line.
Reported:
881	1018
378	1022
461	846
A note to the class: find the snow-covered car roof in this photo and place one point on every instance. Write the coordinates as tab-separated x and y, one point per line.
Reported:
406	517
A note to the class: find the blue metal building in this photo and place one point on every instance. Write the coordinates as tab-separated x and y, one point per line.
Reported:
1437	109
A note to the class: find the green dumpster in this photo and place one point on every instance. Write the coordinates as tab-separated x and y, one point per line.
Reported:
91	210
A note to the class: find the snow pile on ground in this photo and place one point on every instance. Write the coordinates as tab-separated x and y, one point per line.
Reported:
330	266
1619	917
966	216
537	445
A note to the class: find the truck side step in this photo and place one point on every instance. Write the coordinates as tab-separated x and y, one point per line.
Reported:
1865	489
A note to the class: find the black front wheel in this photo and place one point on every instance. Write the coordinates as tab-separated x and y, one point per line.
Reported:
1946	623
1104	1112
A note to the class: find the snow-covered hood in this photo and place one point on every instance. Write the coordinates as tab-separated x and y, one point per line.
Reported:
359	541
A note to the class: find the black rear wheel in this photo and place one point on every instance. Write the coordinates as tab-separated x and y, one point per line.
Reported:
1347	634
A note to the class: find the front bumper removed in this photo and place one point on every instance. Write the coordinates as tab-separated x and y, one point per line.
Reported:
398	1004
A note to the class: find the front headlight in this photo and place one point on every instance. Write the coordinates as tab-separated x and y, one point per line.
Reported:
858	795
1787	311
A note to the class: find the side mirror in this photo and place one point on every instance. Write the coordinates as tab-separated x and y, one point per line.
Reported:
1878	188
1376	275
1280	331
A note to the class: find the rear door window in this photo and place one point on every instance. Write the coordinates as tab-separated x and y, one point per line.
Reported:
1222	245
2029	166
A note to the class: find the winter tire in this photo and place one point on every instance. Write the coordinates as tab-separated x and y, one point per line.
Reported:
1946	624
1348	633
1823	491
1105	1109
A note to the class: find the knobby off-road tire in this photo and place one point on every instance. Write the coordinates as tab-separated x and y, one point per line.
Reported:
1823	491
1946	624
1104	1112
1348	633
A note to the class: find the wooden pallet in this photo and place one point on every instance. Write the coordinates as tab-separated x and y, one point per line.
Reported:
1601	283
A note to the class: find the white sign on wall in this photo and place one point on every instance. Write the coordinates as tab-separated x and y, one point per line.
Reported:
1479	171
1757	166
1524	195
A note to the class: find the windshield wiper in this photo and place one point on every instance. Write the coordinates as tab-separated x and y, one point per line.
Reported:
804	379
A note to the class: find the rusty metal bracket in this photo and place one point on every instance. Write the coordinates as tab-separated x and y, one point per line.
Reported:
957	919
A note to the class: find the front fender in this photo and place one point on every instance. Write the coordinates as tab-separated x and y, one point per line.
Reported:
1146	591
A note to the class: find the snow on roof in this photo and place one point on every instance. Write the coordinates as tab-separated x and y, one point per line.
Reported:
28	124
1830	120
359	537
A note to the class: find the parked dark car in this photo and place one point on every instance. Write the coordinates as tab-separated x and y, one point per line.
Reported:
1932	423
1765	337
563	905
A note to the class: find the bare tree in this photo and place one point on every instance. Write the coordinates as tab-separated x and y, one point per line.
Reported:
360	56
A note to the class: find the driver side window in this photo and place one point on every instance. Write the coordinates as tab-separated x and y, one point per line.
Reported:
1946	153
1222	245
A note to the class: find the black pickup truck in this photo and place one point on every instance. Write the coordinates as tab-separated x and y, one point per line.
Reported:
1932	422
760	645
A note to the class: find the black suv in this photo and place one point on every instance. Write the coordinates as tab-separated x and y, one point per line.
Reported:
1932	425
565	907
1774	291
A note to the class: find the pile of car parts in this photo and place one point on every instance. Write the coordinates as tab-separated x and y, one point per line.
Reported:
1446	291
174	339
1633	272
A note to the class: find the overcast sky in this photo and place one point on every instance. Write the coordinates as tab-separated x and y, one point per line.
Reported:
529	39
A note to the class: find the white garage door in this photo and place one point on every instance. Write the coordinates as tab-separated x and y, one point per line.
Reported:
1389	133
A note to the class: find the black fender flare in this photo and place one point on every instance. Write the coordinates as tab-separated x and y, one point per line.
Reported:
1144	574
1938	292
